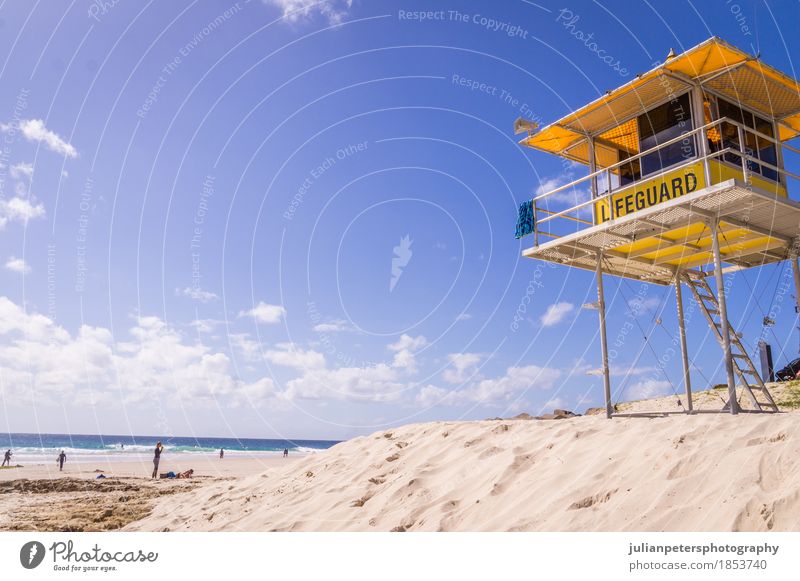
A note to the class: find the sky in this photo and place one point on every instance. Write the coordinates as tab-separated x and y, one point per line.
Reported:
287	218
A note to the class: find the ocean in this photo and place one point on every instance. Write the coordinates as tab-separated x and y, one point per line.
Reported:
36	448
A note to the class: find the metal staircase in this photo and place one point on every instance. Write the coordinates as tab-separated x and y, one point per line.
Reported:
742	364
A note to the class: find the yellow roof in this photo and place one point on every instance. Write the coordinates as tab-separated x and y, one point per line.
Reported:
715	64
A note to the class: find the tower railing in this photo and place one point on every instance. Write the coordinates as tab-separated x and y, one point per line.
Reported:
543	215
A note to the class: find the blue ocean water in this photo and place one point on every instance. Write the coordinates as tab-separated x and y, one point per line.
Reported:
34	447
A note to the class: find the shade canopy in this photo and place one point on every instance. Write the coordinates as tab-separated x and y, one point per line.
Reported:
714	64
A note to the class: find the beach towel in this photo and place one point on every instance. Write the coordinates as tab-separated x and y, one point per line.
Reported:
525	219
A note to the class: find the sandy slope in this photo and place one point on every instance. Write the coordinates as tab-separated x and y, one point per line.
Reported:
704	472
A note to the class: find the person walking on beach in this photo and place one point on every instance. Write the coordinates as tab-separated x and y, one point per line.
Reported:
157	458
286	452
7	458
221	453
61	459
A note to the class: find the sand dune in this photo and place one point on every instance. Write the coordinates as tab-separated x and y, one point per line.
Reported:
706	472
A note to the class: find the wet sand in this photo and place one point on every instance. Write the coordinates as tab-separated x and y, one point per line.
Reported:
39	497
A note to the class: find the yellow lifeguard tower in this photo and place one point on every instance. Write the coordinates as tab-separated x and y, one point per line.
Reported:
686	182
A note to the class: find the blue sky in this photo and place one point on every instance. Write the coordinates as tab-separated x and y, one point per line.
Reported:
287	218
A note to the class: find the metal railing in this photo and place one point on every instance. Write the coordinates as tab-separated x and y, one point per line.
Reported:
747	161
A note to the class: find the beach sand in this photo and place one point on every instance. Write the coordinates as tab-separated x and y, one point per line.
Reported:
705	472
39	497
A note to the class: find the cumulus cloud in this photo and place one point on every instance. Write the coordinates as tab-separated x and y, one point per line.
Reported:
494	391
35	130
463	366
379	382
39	357
205	326
556	313
405	348
407	342
295	10
19	209
649	388
196	294
22	171
291	355
265	313
373	383
17	265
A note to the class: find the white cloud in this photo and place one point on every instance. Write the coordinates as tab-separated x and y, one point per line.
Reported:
39	357
335	326
22	170
256	392
17	265
642	305
197	294
244	344
500	390
463	317
570	196
556	313
648	388
294	10
290	355
407	342
265	313
619	370
463	366
380	382
404	349
205	325
283	354
19	209
374	383
35	130
515	381
555	403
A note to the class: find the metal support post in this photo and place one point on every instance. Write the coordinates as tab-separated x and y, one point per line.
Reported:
684	352
723	315
601	307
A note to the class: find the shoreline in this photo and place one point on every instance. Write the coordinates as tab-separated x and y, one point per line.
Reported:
204	465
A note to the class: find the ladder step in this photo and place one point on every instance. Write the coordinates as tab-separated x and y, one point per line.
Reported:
707	297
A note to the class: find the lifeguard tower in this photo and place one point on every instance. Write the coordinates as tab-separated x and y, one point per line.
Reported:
686	182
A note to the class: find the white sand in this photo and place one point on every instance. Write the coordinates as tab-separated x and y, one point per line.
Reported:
707	472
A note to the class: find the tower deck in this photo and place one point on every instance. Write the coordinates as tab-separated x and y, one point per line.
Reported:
756	227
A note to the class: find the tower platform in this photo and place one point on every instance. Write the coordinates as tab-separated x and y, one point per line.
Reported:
756	228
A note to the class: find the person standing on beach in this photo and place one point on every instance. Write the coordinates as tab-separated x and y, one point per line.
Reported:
61	459
221	453
7	458
157	458
286	452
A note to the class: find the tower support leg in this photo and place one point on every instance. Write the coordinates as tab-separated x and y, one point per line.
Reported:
796	272
684	352
601	308
723	316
